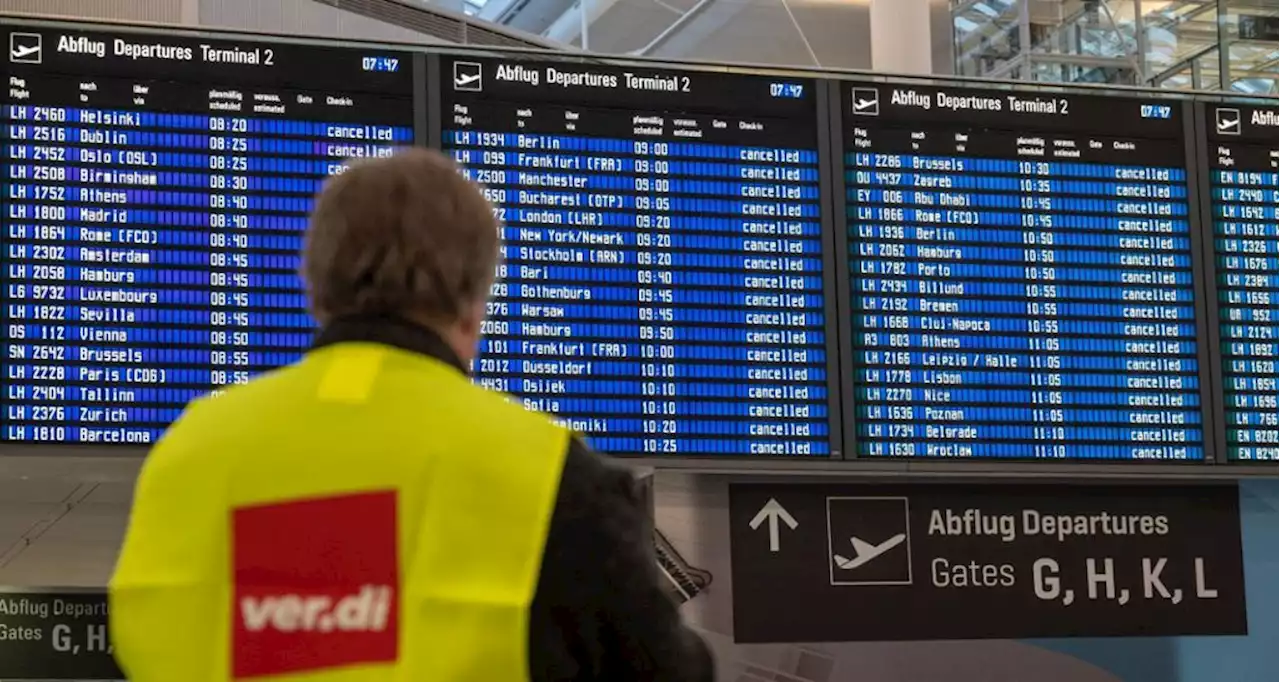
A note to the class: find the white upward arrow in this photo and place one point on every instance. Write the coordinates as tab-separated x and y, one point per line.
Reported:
772	512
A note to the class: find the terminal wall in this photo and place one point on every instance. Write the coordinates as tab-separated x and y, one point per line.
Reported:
58	529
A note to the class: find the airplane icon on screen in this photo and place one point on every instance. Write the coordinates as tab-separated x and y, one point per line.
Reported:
25	48
864	551
1229	121
466	76
866	101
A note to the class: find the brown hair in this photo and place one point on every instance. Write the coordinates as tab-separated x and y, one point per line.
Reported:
401	234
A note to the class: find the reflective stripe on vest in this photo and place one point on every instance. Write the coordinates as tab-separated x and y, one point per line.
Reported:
376	518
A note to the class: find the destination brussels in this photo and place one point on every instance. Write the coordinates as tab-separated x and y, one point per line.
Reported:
207	53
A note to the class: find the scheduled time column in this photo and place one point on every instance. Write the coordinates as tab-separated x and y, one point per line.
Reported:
1041	262
228	257
660	425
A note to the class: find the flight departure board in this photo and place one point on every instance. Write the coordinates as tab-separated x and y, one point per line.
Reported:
662	283
1021	275
1242	156
156	192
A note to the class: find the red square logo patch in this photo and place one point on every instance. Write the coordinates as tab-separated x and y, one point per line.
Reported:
316	584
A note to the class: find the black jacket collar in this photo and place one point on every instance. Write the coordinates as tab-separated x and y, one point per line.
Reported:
390	331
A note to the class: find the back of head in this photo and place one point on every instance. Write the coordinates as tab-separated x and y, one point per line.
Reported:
405	236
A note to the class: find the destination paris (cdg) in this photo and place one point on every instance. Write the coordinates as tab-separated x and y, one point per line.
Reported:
978	561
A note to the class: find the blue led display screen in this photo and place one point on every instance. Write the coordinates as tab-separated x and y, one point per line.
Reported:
662	284
156	192
1021	276
1242	171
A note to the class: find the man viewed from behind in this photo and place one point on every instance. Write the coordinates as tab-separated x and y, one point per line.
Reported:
369	514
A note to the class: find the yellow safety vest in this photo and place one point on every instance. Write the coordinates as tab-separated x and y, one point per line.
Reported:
367	514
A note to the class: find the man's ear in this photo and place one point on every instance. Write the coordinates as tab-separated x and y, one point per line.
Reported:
471	321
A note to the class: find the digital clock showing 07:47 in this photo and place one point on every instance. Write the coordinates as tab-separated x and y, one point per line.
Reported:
383	64
788	90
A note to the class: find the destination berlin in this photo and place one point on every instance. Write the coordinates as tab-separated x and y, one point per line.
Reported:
975	522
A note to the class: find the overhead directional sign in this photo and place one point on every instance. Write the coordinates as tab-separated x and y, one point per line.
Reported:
55	635
911	562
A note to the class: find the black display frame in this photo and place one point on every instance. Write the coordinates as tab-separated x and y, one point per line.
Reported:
1209	275
838	123
201	73
427	132
436	72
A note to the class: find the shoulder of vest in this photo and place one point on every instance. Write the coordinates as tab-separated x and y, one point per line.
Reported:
436	377
501	405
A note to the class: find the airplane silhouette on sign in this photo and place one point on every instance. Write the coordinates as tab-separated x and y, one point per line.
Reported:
864	551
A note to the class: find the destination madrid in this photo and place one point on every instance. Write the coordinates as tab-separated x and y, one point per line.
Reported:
1033	522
